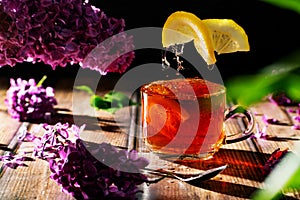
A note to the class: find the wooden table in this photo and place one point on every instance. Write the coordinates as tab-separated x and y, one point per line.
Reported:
239	180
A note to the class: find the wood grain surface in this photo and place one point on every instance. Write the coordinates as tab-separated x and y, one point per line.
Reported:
239	180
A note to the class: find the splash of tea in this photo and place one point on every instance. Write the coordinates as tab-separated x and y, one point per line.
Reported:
177	51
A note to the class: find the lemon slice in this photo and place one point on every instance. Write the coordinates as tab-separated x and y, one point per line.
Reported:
227	36
209	35
182	27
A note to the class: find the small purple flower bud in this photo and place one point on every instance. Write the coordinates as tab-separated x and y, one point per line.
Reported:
270	120
296	127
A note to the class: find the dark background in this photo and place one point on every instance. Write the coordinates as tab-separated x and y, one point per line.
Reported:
273	32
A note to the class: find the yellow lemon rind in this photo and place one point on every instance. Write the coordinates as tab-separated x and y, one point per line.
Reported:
182	27
234	35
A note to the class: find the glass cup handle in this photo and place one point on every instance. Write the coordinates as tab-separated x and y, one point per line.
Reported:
240	111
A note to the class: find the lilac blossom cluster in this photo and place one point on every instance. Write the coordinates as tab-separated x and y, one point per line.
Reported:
111	174
106	59
26	100
58	32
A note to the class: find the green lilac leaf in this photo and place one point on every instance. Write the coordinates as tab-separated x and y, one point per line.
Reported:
110	102
98	102
119	99
85	88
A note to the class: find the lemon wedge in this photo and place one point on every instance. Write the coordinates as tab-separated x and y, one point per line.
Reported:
208	35
182	27
227	35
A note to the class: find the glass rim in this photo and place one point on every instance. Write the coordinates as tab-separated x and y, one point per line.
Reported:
222	90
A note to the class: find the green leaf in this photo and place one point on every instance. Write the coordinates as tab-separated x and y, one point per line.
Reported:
110	102
283	76
85	88
98	102
293	87
286	4
287	64
247	90
119	99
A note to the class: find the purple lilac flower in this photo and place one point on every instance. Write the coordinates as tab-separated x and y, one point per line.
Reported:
55	138
267	120
260	133
296	127
281	99
86	177
28	101
14	161
111	55
58	32
297	119
114	174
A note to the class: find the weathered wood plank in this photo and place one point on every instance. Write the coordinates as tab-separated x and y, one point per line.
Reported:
278	136
30	182
8	125
8	128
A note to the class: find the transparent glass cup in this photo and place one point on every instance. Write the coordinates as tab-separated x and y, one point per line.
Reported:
185	118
